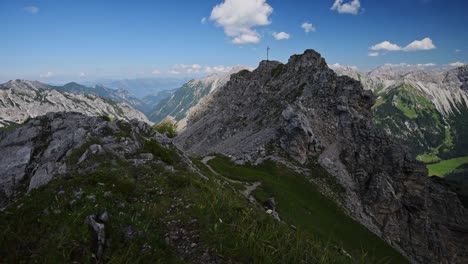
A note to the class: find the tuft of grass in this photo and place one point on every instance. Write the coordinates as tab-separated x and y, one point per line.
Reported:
167	155
166	128
277	70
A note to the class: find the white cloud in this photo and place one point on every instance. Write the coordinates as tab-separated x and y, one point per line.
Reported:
247	38
352	7
239	17
339	66
424	44
31	9
281	35
308	27
197	69
456	64
386	45
373	54
47	75
203	20
156	72
425	65
82	74
457	50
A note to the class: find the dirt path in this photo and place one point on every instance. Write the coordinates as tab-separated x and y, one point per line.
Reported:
249	187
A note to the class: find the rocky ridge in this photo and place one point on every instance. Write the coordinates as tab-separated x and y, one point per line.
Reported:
39	150
304	109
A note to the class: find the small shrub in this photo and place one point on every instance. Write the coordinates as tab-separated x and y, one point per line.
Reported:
165	154
243	72
166	128
277	70
108	118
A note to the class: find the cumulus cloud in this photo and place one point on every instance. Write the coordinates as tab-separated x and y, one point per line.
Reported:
247	38
339	66
386	45
456	64
351	7
156	72
373	54
308	27
457	50
31	9
203	20
424	44
281	35
82	74
239	17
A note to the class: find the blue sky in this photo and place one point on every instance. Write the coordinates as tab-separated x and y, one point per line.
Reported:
72	40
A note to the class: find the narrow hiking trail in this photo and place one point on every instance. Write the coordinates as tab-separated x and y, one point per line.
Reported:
249	187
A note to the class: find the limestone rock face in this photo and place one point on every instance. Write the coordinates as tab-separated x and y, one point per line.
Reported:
39	150
309	112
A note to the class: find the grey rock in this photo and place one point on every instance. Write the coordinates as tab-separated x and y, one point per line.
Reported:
104	217
13	160
99	235
45	173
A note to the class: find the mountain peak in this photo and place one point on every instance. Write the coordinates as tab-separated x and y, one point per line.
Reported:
306	111
24	84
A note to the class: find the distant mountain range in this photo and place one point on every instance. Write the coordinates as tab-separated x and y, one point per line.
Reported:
425	110
117	95
21	99
141	87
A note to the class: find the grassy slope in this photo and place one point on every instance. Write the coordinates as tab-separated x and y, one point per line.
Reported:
47	226
397	108
446	166
300	204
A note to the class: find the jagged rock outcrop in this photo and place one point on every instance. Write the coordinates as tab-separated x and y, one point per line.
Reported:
40	149
20	100
304	108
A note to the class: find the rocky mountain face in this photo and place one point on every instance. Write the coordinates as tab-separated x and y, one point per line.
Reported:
186	97
20	100
424	110
116	95
305	110
38	150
